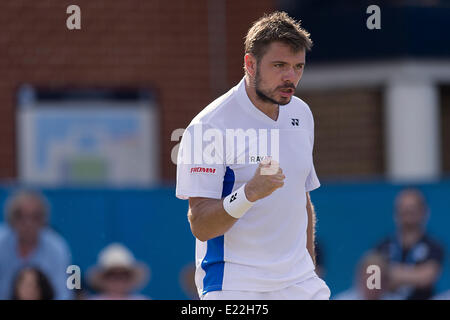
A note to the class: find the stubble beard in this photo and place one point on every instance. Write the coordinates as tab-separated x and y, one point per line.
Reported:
263	96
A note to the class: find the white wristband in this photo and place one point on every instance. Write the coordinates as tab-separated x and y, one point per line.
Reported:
236	203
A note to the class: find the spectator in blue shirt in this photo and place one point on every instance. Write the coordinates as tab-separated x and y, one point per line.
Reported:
26	240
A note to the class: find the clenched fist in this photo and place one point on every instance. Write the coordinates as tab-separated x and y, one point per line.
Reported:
267	178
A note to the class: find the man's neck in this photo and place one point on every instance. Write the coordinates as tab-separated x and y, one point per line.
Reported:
269	109
25	248
409	237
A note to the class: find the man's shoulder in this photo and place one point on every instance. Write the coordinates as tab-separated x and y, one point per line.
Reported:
6	233
6	242
216	111
299	107
385	243
431	241
435	247
298	103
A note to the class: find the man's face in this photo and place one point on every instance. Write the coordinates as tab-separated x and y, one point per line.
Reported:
117	281
409	211
278	73
28	219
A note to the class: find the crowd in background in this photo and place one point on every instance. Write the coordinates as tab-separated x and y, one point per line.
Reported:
409	261
34	259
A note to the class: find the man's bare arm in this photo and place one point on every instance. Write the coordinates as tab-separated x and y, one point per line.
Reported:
421	276
208	218
310	233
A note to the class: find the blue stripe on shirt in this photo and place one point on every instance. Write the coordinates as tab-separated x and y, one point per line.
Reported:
213	263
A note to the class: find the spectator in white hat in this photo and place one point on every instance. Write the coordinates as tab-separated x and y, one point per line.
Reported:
118	275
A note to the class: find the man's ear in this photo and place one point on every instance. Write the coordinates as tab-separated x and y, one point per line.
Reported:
250	64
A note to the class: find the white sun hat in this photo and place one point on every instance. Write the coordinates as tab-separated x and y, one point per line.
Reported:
117	256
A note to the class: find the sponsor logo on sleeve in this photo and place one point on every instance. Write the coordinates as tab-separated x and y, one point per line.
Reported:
203	170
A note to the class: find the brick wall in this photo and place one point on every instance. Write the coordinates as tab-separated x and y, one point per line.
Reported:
348	132
163	46
240	16
158	45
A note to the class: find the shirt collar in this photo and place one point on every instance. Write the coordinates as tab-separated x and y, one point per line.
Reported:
250	108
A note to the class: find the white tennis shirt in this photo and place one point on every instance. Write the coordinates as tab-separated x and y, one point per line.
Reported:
265	250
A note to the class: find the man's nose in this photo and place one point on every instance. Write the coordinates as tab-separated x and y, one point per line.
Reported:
290	76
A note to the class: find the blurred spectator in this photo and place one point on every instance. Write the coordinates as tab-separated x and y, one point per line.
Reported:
117	275
415	259
187	281
31	284
82	293
360	289
26	240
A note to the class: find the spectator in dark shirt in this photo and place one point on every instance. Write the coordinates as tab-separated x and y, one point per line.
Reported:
415	259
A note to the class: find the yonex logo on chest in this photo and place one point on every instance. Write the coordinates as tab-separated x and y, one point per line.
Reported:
295	122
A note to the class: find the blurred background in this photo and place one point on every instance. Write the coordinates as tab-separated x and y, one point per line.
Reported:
87	119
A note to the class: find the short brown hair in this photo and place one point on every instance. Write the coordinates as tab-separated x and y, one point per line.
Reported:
277	26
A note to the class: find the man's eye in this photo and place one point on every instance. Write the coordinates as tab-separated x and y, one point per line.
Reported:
300	67
278	65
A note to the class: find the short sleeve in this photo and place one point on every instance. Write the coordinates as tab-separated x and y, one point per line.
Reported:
200	165
312	181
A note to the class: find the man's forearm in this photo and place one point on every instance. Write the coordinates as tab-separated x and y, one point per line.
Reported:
310	233
208	219
421	276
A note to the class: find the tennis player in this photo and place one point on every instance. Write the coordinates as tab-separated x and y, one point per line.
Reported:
245	164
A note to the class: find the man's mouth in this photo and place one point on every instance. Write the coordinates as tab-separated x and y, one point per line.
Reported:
287	92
